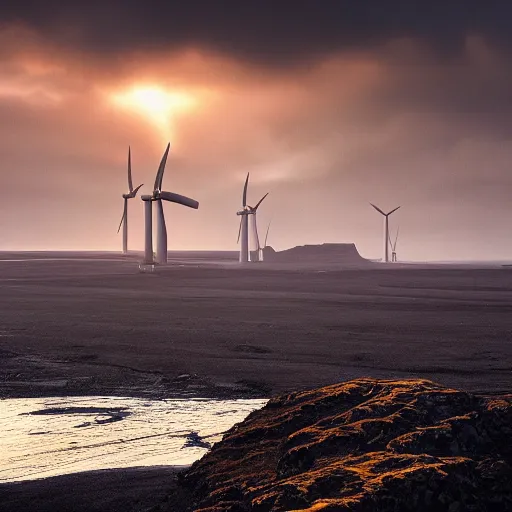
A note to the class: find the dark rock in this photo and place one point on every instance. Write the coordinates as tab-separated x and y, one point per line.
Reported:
194	440
362	445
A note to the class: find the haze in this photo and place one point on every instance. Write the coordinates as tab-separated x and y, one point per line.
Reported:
325	120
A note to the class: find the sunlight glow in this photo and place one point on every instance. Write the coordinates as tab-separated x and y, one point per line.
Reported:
156	104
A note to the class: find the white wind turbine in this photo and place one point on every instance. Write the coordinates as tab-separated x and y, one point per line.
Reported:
130	195
393	246
386	230
161	230
243	231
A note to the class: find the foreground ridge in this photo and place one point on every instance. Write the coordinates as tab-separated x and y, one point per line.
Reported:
360	445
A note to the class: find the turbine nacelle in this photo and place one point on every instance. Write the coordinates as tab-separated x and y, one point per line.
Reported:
133	193
248	210
383	213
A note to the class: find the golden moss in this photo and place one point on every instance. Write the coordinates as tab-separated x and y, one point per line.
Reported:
360	445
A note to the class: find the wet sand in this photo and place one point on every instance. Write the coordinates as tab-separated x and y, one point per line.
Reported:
93	324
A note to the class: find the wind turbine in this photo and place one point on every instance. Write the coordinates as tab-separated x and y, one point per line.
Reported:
161	231
257	253
243	230
265	243
266	235
131	194
393	246
386	230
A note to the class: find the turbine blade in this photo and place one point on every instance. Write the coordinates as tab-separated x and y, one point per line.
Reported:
392	211
239	229
266	235
260	201
244	197
378	209
122	218
177	198
396	238
130	183
134	192
160	173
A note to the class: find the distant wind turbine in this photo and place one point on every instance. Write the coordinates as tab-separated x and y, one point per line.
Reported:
243	230
265	243
393	246
257	248
386	230
161	230
131	194
266	235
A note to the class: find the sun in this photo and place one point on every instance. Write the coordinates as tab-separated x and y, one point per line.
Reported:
158	105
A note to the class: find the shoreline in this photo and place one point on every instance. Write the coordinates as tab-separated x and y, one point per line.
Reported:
35	376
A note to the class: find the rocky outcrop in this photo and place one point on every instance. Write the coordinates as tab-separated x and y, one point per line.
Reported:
359	446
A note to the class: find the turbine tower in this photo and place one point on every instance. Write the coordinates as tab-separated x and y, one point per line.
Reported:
393	246
243	230
161	230
386	230
131	194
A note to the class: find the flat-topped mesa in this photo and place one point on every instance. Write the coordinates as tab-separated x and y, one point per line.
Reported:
342	254
362	445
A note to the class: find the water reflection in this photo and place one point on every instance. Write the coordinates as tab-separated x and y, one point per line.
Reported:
41	437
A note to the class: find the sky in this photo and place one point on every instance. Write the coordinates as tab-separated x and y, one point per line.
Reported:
328	105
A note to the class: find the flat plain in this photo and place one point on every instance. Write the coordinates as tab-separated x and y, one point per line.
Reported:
92	323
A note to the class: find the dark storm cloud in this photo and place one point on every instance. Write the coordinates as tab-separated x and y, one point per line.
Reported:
266	31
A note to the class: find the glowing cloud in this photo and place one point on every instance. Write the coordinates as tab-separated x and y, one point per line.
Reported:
158	105
35	95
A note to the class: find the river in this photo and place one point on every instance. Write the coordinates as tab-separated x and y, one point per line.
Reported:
43	437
